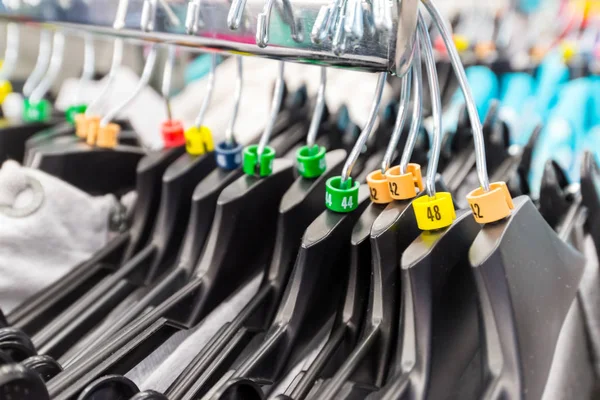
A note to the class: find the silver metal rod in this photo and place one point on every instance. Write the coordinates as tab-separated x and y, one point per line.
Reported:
375	52
275	106
209	91
11	55
459	70
146	74
41	63
315	122
364	134
148	15
56	60
110	79
230	133
417	112
436	105
399	125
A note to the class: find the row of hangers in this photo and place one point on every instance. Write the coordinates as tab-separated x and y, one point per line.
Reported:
417	285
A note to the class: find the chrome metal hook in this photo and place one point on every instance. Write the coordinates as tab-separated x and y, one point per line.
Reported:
322	24
192	18
339	40
275	106
382	15
148	15
319	108
229	134
11	55
364	134
146	74
399	125
264	21
353	24
112	74
236	12
56	60
436	104
41	63
167	78
209	91
117	57
459	70
417	115
89	64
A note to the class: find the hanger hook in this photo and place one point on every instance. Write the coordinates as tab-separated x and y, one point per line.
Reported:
322	24
354	21
364	135
117	57
382	15
167	78
58	46
436	104
209	91
275	106
11	56
112	74
192	18
417	111
229	134
339	39
148	15
399	125
318	113
459	70
147	72
264	21
41	63
236	12
89	62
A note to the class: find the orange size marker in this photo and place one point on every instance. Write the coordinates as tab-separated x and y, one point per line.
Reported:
378	186
81	126
93	126
404	186
491	206
108	136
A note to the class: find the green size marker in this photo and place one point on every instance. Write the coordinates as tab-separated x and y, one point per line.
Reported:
311	161
252	166
341	199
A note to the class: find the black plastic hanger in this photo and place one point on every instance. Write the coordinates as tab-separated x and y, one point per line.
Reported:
508	257
438	329
46	366
63	135
20	383
179	181
299	206
248	201
91	169
16	344
110	387
350	315
554	201
37	311
13	136
309	301
369	361
204	202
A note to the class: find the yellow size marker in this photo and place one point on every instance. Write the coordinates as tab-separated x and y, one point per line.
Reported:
5	90
491	206
198	140
435	212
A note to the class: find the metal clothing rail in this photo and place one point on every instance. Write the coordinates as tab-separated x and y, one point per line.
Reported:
376	51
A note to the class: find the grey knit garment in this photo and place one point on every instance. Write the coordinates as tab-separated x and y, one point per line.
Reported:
47	227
